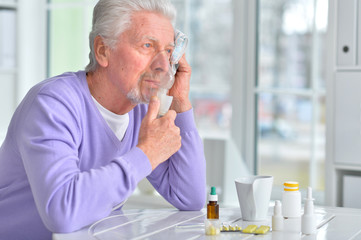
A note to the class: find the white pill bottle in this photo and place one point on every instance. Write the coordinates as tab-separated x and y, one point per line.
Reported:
291	200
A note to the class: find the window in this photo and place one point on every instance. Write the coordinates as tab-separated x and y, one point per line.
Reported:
290	91
8	26
22	53
69	24
210	55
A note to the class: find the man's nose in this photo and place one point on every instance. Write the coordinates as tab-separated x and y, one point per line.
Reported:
160	62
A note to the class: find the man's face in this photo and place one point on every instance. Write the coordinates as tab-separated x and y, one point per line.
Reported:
143	50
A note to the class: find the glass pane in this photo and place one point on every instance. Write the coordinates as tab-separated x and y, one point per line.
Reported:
7	68
180	6
209	25
289	40
68	41
285	139
213	112
7	39
211	42
7	101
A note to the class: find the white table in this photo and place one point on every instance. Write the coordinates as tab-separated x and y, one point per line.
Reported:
333	224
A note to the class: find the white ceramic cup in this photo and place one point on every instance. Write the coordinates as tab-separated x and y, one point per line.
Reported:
254	193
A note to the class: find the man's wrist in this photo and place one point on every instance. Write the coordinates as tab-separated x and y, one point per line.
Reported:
181	106
146	151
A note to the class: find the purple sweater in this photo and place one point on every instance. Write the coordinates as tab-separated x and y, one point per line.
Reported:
62	167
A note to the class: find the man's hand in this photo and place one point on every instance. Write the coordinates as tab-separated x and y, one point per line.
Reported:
159	138
180	89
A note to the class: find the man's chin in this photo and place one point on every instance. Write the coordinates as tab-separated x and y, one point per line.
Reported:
145	97
136	98
145	100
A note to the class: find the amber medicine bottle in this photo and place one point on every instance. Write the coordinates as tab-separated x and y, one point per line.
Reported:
212	206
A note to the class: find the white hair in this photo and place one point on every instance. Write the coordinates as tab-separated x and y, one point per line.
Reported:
113	17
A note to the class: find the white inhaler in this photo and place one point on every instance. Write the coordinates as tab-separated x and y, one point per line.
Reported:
167	71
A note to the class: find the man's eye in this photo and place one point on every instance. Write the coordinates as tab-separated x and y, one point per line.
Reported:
147	45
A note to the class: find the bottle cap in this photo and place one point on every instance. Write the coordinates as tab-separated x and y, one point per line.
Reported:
291	186
213	195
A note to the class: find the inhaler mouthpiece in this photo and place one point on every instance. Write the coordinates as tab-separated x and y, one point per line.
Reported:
161	74
165	101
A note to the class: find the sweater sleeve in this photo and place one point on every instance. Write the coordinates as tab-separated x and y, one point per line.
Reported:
67	199
181	180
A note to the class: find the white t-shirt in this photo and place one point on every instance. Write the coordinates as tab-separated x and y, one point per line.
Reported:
118	123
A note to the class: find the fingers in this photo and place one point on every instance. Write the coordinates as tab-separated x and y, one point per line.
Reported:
153	109
159	138
184	65
181	87
171	115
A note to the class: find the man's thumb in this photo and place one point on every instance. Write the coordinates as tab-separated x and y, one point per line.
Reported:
153	108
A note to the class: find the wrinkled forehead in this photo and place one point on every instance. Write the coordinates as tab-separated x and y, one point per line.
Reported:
153	26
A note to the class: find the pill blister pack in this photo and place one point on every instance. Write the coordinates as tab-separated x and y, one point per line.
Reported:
250	229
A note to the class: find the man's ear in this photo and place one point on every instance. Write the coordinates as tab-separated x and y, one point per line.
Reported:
102	51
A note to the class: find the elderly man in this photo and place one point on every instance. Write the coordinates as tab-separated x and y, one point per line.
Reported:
79	143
